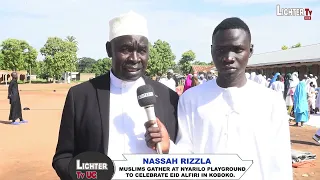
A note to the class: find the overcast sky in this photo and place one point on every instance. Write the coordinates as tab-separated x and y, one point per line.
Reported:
185	24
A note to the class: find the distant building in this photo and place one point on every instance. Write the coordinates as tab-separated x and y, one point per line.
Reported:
202	68
76	76
305	60
22	75
85	76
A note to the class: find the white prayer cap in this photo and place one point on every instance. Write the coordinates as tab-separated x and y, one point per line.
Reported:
170	71
130	23
311	75
305	76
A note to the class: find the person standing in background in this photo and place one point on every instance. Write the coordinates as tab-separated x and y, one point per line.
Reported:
69	78
195	81
287	81
202	79
259	78
169	81
313	80
187	83
14	99
312	98
247	75
301	109
175	78
252	76
209	76
274	78
278	86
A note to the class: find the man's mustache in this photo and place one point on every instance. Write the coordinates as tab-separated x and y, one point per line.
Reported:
132	65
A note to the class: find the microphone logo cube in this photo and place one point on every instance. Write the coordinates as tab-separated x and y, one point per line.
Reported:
144	95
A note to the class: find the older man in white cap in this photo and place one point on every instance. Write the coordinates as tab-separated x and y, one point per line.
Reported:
103	114
169	81
202	79
313	80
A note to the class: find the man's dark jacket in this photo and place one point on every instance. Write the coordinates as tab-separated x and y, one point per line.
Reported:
85	119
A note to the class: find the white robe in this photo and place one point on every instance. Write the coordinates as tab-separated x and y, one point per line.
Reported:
222	122
312	97
202	81
260	80
69	79
278	86
247	75
252	76
170	83
127	118
314	82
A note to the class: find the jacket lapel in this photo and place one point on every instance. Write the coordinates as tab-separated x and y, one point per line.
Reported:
103	95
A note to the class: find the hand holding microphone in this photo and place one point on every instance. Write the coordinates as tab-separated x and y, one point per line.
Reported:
156	135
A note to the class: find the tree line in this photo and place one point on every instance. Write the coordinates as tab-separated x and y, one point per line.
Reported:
60	55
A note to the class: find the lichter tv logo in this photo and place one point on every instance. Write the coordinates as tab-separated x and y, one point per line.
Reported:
305	12
91	165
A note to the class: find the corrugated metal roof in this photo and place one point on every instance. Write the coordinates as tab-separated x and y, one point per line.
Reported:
302	54
201	68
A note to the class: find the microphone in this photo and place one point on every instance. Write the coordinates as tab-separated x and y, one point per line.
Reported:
147	99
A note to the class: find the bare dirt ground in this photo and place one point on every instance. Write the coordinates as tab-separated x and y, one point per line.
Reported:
26	150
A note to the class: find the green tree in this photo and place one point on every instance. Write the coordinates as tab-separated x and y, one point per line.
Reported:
42	71
186	60
161	58
101	66
1	61
284	47
72	39
17	55
37	68
60	56
85	65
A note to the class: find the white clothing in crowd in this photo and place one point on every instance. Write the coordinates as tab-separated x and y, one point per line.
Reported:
69	78
252	76
295	80
312	97
170	83
202	79
268	82
260	79
314	80
278	86
247	75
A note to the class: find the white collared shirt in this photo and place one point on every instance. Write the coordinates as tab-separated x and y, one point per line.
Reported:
127	118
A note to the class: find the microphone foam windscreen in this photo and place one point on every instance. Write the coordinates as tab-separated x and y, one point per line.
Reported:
146	96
